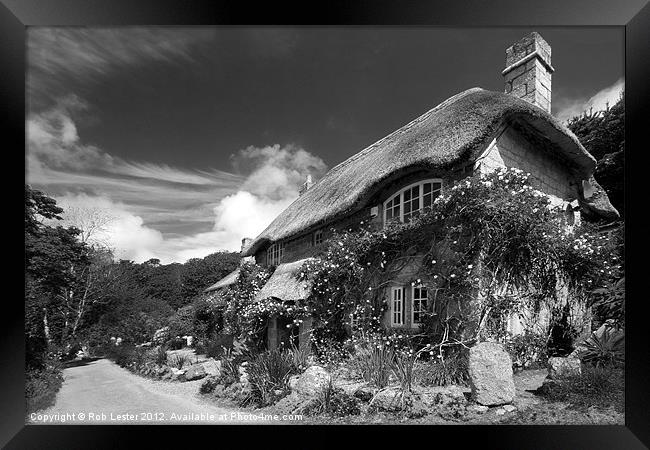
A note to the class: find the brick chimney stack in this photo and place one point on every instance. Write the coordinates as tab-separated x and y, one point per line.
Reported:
528	71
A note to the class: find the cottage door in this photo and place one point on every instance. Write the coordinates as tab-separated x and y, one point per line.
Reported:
397	306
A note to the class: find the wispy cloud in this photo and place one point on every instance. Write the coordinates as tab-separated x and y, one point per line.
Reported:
568	108
57	56
161	211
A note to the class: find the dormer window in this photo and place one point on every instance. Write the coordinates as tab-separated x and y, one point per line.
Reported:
317	238
274	254
409	201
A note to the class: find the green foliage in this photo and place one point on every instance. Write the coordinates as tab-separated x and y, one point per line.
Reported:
179	360
602	387
208	385
229	368
608	302
199	273
268	374
372	361
452	369
300	358
41	385
527	350
215	348
334	401
160	356
242	315
491	234
604	350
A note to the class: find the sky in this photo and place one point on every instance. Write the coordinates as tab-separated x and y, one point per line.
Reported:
186	140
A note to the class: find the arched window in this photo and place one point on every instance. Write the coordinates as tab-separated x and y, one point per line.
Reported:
409	201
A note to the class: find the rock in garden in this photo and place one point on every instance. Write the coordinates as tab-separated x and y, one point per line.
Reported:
478	409
442	395
212	367
293	382
563	366
490	374
389	399
312	381
293	403
499	411
509	408
195	372
364	393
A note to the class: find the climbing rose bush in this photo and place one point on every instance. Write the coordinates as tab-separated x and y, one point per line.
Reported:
491	243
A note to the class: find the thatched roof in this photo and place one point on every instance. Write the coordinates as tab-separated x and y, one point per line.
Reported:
454	131
284	284
598	204
229	279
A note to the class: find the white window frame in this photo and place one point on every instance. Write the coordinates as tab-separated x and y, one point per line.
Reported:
274	254
399	314
413	299
400	194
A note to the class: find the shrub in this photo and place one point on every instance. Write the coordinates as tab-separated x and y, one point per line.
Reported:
42	385
214	348
179	360
229	368
160	355
451	370
372	362
602	387
527	350
208	385
269	372
608	349
123	355
300	358
334	401
402	365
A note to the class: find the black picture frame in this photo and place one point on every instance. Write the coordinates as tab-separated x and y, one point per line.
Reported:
633	15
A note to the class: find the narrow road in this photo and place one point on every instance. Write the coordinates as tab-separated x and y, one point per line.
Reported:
101	392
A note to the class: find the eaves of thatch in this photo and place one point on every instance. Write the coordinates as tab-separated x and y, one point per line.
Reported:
284	284
455	131
226	281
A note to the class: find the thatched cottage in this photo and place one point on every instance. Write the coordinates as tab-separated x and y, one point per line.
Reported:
473	131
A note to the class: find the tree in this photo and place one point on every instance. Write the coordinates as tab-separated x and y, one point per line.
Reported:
51	253
199	273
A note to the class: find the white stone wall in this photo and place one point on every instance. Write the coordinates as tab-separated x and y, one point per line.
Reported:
511	149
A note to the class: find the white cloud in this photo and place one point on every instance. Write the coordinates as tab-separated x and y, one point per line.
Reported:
569	108
141	199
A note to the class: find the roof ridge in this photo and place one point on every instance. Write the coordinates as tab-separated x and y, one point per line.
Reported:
404	128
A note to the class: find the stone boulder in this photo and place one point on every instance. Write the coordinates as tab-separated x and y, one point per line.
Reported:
388	399
490	374
293	404
195	372
176	374
312	381
559	367
442	395
212	367
293	382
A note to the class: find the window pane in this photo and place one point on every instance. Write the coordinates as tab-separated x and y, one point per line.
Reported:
407	208
416	191
426	188
426	201
415	203
407	195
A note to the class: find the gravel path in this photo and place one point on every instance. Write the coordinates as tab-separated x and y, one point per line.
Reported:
101	392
